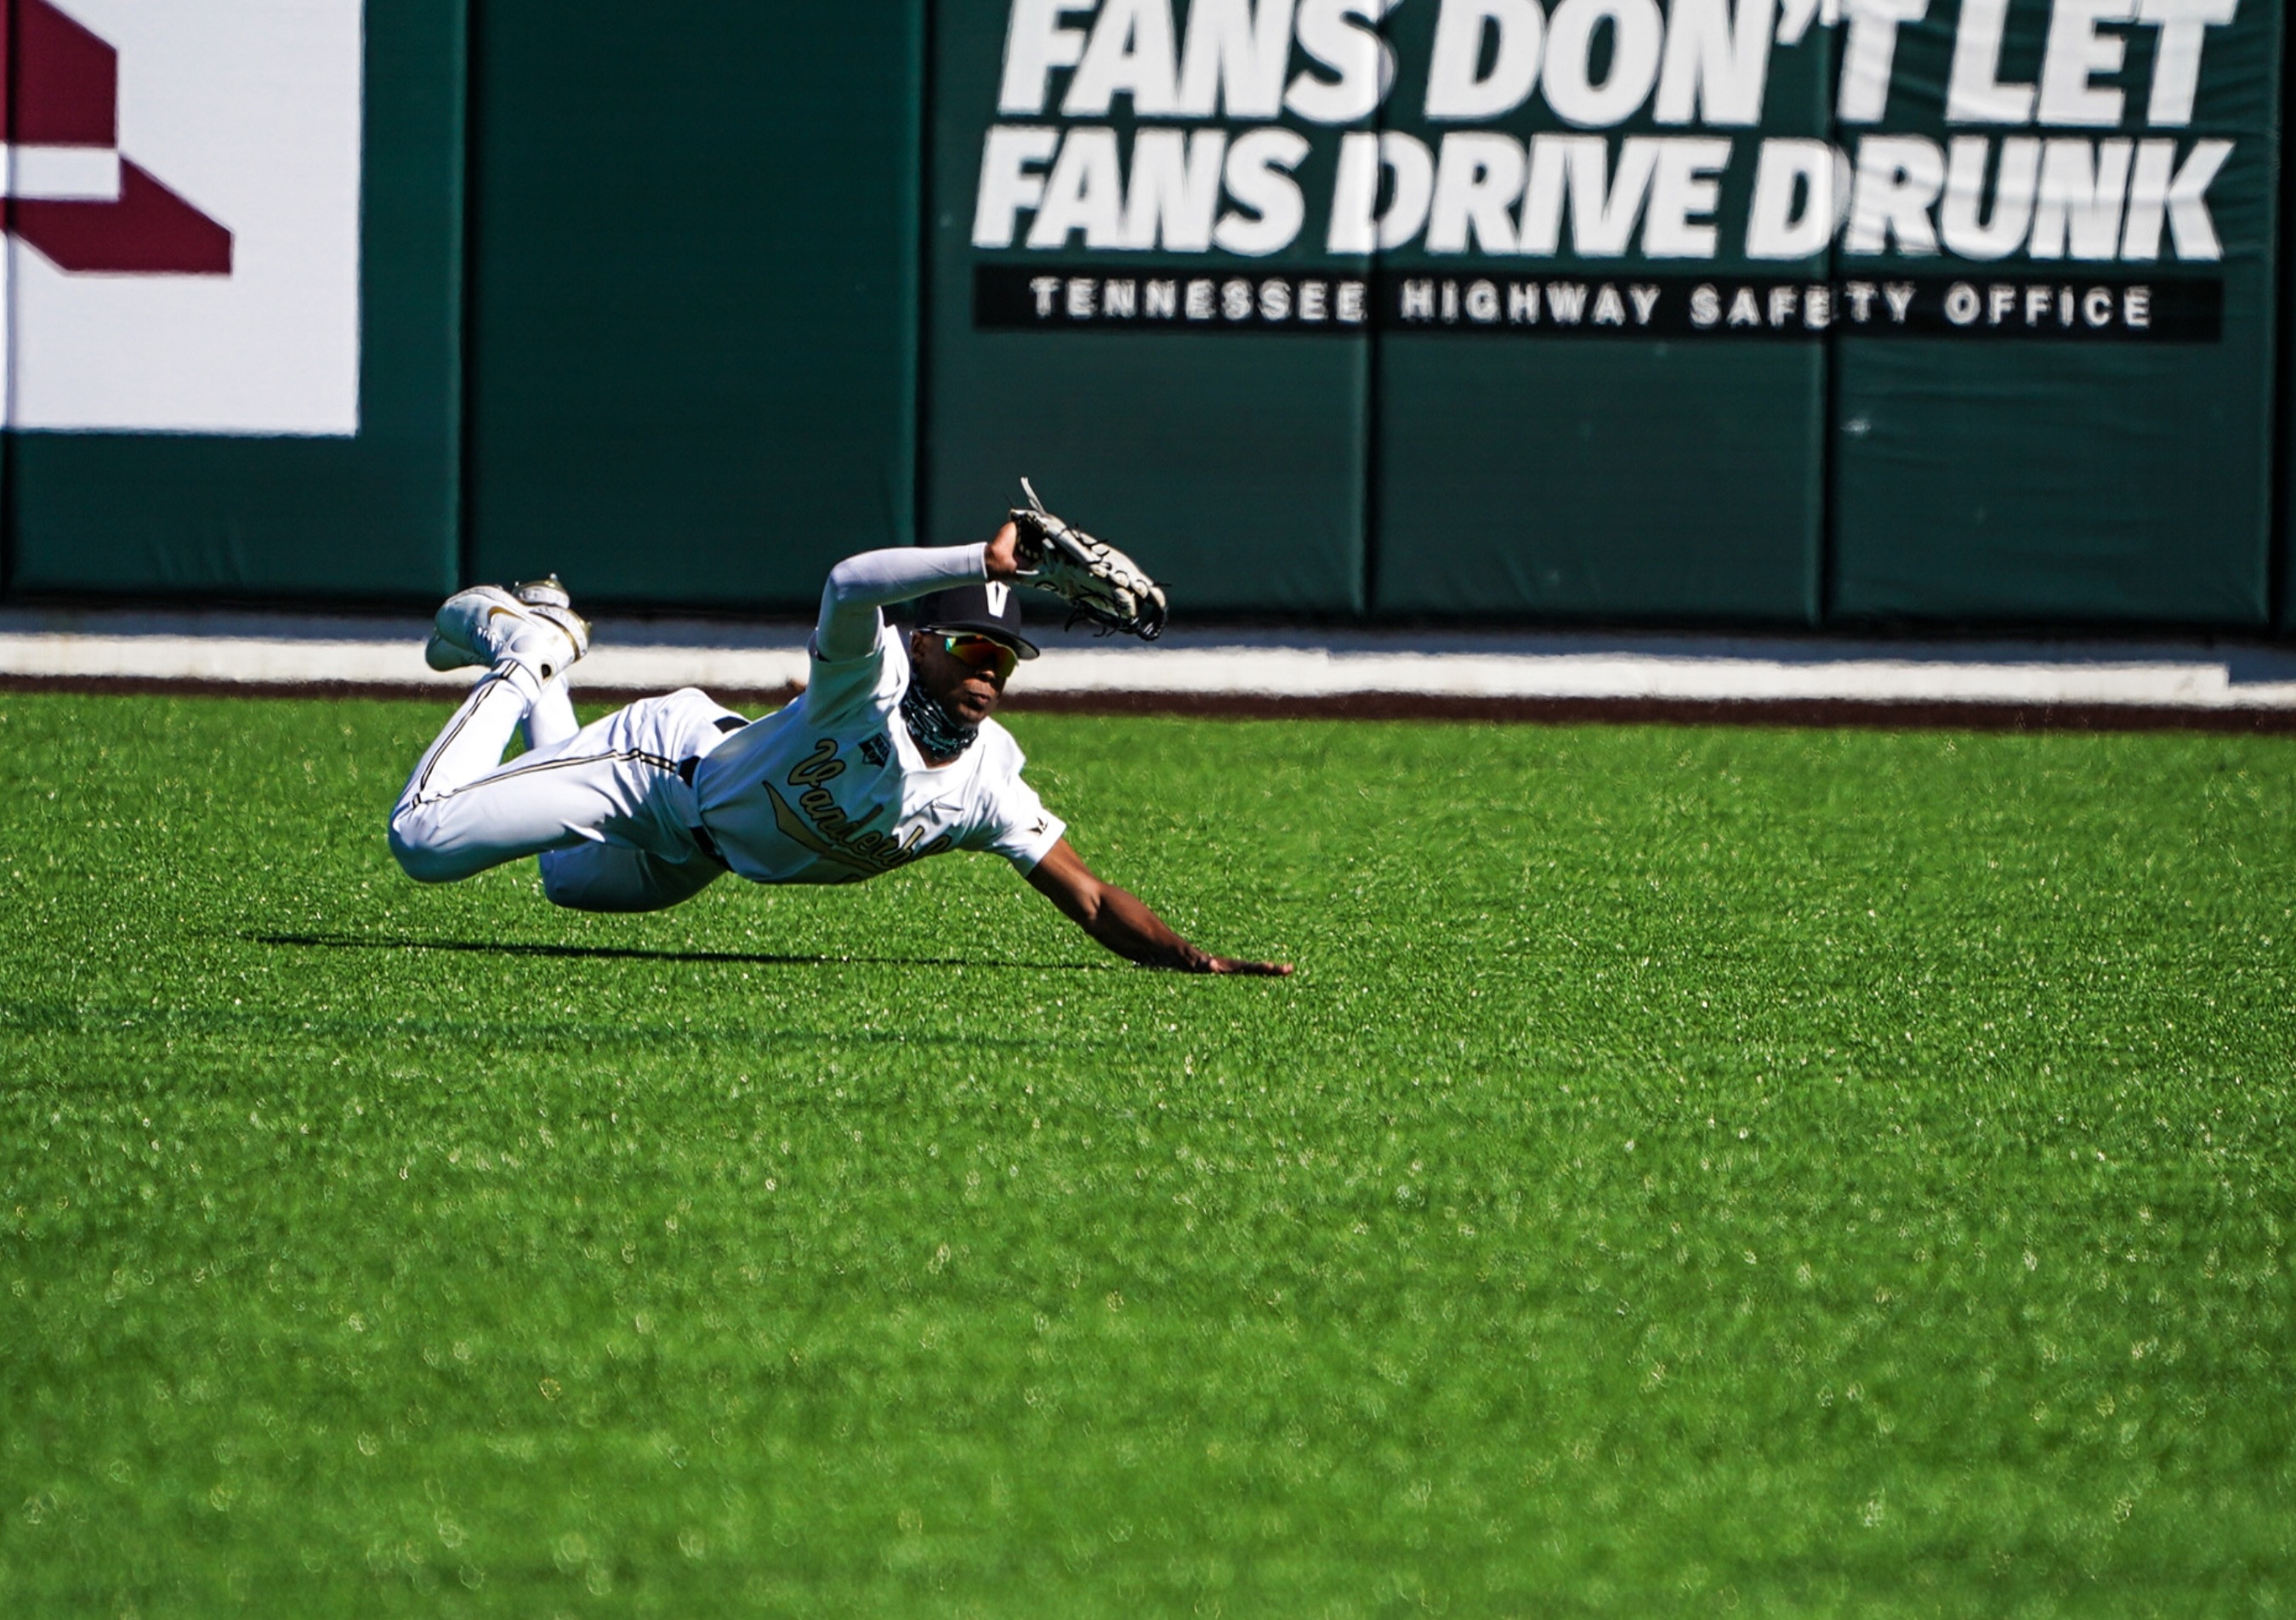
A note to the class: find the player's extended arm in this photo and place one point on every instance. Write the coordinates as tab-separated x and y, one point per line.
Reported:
861	585
1122	923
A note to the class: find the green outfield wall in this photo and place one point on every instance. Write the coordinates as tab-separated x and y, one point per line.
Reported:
693	294
1526	468
1243	449
254	390
1775	313
2107	481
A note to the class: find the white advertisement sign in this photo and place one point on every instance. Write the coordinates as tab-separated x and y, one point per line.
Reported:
182	185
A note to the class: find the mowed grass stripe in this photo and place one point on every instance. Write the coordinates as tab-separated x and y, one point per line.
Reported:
1801	1172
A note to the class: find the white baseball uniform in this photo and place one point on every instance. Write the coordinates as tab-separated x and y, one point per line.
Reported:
638	811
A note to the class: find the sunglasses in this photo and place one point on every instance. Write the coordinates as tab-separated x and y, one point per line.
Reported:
980	652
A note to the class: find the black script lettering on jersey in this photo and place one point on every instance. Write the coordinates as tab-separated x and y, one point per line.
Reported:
826	831
821	766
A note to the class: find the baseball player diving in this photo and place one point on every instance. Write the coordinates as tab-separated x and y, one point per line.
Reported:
888	757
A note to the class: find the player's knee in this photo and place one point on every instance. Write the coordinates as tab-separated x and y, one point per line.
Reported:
571	878
590	878
562	887
584	893
417	856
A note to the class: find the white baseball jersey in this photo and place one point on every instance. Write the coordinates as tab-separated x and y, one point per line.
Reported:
832	789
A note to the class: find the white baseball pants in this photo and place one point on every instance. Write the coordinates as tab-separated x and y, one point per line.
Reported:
603	805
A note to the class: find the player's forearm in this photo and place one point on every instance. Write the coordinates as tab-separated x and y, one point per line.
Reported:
861	585
1126	925
1120	922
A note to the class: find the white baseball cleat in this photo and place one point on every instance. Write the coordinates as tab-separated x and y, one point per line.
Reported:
547	591
533	623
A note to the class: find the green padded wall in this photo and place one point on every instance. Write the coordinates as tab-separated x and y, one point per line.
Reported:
694	294
1602	475
2018	473
715	255
1226	454
312	518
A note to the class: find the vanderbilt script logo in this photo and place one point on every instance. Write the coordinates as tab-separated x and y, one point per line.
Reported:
816	824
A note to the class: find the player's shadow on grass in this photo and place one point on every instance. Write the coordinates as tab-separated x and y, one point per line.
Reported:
478	947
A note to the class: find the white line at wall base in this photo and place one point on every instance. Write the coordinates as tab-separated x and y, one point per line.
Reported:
1286	666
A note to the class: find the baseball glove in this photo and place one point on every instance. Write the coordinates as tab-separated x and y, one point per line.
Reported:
1099	582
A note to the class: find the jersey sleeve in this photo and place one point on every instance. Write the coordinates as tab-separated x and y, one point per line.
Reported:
1028	830
861	585
1014	823
841	689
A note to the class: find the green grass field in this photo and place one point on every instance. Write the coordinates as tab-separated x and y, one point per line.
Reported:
1693	1172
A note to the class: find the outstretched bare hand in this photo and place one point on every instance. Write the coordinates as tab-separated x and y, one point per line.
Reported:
1249	969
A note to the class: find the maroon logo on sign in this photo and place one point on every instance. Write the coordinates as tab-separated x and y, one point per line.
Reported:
69	190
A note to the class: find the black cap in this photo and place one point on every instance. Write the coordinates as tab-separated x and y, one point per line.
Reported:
991	609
